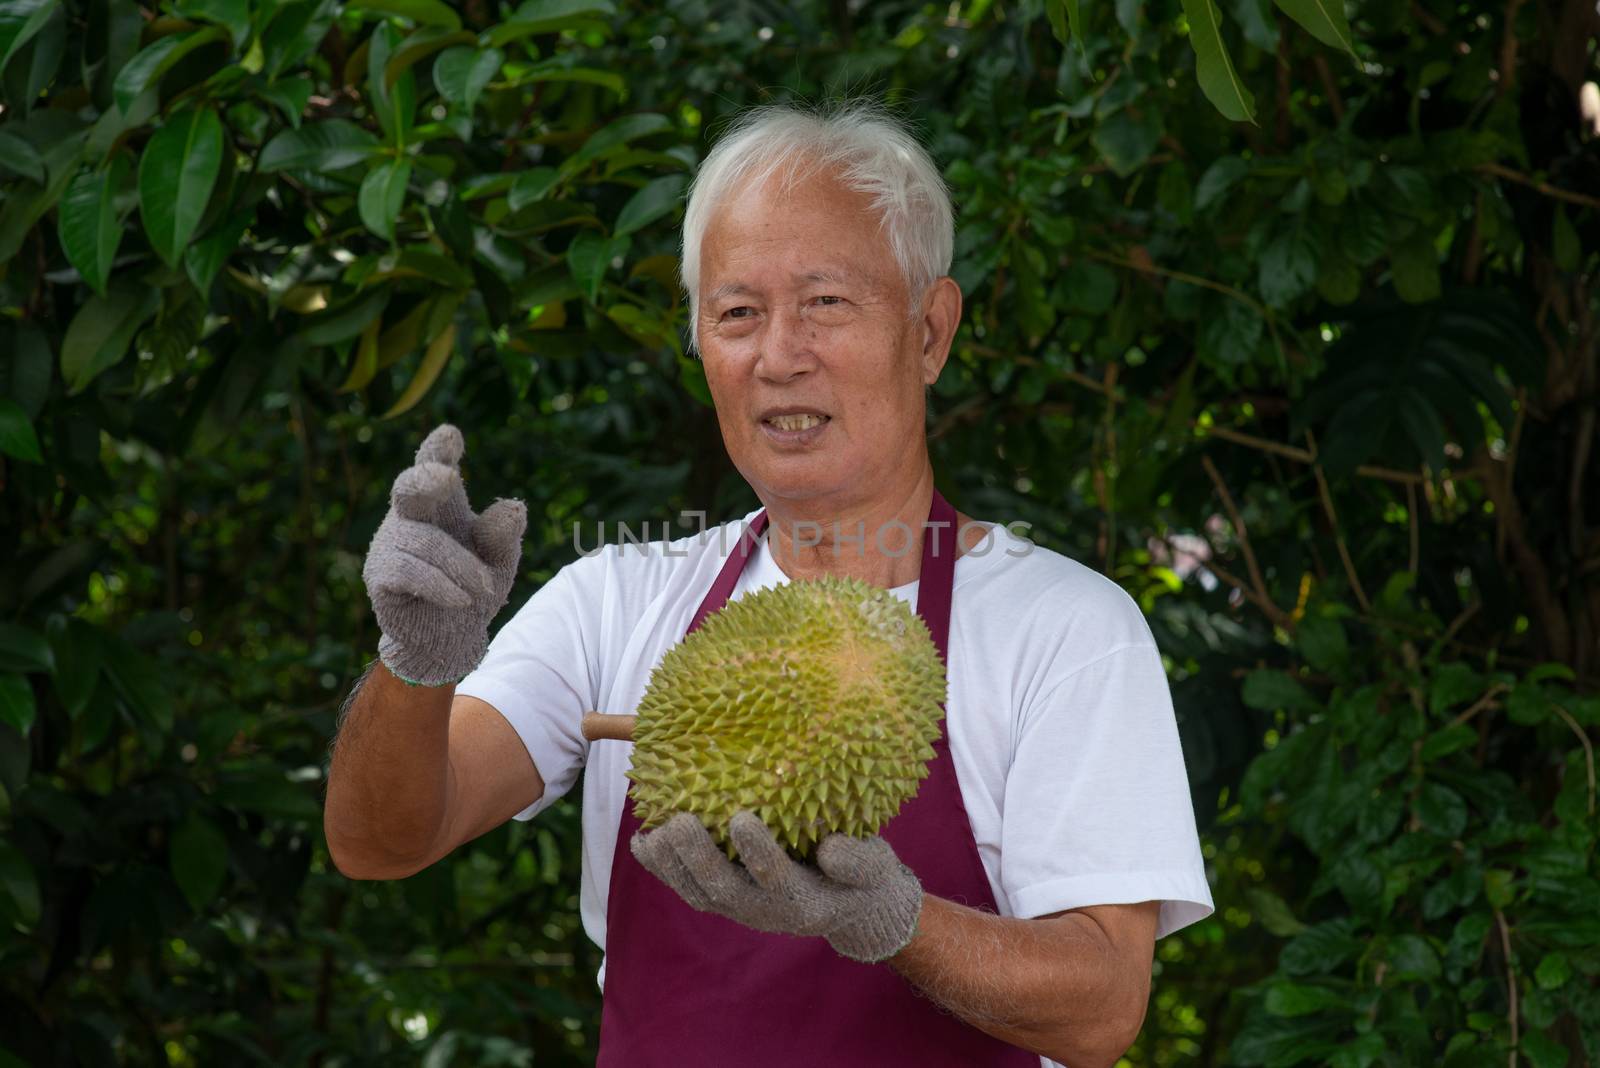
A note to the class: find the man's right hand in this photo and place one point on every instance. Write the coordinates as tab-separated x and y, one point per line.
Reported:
436	572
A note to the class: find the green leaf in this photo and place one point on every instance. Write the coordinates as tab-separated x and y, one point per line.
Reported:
1359	880
1527	705
28	383
1221	176
268	793
138	681
19	157
549	16
89	226
1554	970
614	136
1091	288
1543	1051
1322	948
77	652
177	171
692	374
17	438
1416	269
1442	810
419	45
21	207
205	257
290	96
1446	741
1323	19
21	648
383	191
1273	913
440	349
394	105
560	69
1063	15
365	365
16	702
461	73
345	321
19	884
1125	140
231	15
293	32
650	203
1453	684
1299	999
1288	265
1213	67
531	185
422	12
19	21
588	258
1413	958
150	64
197	854
101	332
1322	640
1270	690
320	146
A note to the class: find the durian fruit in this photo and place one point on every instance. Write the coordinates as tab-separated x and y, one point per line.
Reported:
814	704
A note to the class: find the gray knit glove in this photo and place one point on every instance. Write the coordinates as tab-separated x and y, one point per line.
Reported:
860	897
437	573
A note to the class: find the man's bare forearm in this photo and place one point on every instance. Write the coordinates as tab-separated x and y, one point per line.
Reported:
389	776
1053	985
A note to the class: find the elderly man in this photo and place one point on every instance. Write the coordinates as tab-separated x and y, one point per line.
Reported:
1007	915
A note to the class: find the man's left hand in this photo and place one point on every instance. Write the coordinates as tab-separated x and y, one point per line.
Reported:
860	897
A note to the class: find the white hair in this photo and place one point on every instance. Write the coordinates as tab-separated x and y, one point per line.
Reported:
872	152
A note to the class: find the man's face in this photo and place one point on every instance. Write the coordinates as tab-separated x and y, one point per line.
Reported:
814	362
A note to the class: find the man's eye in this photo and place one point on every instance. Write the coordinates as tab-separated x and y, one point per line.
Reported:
831	300
738	313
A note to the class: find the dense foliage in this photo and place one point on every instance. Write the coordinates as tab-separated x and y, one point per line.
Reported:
1319	389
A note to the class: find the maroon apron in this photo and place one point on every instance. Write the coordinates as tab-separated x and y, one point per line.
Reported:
690	988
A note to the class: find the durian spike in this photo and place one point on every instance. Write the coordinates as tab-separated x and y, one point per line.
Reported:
598	726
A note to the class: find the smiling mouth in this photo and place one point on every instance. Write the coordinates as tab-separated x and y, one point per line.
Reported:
795	422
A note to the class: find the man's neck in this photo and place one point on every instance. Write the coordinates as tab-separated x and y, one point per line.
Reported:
876	540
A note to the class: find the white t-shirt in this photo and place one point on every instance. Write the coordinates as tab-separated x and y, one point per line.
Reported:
1059	714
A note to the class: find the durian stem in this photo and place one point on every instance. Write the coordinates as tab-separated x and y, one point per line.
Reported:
598	726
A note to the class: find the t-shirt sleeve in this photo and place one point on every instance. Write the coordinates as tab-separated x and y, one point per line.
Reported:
539	674
1097	808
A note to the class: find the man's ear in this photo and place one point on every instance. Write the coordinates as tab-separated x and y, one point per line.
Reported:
941	316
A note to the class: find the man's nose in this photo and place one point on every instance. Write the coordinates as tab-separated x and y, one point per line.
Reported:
787	347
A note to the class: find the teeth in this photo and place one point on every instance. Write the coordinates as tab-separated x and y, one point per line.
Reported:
795	422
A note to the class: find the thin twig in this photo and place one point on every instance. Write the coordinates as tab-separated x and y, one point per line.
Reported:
1330	87
1486	701
1181	276
1262	598
1556	192
1506	74
1211	565
1251	441
1511	985
1588	749
1105	480
1386	474
1411	514
1428	20
1460	621
1338	538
